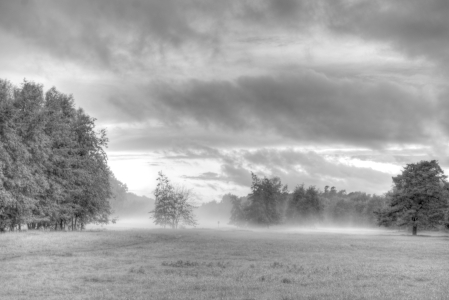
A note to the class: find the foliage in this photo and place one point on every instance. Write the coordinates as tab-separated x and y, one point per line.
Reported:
164	195
53	169
216	211
238	216
172	205
419	197
306	206
265	202
119	192
181	211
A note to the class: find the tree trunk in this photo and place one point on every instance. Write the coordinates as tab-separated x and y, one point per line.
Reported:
415	229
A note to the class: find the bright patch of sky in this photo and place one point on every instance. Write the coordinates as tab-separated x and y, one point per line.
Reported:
338	92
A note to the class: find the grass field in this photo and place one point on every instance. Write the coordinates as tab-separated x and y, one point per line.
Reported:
212	264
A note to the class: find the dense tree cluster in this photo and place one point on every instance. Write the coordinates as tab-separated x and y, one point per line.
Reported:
172	205
53	169
271	203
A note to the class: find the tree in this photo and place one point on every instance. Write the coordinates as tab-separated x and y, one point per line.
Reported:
119	191
53	168
419	197
172	204
266	201
163	194
181	211
238	215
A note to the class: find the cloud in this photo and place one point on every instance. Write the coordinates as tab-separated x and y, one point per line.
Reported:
222	80
297	167
417	28
293	167
207	176
309	107
134	34
108	33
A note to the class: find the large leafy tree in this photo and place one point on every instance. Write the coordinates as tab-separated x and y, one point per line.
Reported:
53	168
419	198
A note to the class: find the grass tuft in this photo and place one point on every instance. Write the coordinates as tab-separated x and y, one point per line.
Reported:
180	264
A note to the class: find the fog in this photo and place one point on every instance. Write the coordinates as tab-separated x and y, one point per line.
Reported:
141	222
133	213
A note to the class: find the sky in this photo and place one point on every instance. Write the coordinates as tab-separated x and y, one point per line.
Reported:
342	93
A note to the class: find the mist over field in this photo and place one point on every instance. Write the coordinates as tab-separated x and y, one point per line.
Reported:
237	149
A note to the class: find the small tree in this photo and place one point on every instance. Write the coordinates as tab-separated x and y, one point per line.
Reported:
172	205
418	199
180	208
164	193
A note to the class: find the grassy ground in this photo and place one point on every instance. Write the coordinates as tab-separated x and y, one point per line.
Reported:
211	264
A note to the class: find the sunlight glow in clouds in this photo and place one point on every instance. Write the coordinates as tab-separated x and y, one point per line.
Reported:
341	93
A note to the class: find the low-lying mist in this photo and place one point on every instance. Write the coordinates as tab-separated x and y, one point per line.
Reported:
144	222
133	213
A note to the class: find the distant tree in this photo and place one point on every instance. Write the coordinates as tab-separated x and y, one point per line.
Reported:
172	205
305	205
312	208
214	211
118	192
181	211
164	194
266	201
294	205
238	214
419	197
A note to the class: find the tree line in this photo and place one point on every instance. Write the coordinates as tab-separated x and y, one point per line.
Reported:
271	203
53	167
419	198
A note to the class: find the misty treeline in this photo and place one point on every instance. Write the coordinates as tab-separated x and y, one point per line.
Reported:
271	203
419	199
53	169
127	205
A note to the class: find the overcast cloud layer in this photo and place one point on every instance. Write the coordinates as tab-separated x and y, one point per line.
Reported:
334	92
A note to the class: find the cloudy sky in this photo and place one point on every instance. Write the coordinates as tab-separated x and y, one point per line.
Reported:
338	93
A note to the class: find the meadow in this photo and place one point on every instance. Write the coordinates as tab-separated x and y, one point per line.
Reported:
222	264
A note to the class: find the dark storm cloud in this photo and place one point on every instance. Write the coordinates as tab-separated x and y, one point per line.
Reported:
118	33
103	32
417	28
309	107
